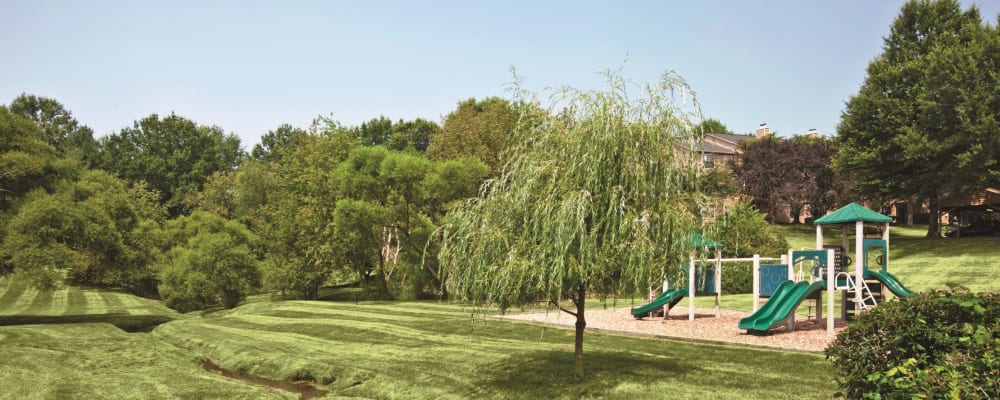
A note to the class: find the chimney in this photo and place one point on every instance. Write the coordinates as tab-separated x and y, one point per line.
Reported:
763	130
813	132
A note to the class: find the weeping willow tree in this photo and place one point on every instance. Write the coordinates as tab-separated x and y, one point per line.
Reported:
595	199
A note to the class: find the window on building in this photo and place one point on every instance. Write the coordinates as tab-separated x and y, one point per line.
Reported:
708	160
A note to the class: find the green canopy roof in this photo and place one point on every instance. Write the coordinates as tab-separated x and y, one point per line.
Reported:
697	240
852	213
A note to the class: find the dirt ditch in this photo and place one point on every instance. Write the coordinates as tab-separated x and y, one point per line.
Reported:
306	390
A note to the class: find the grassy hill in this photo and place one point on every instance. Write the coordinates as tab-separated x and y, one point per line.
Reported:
429	350
74	343
65	346
22	304
922	264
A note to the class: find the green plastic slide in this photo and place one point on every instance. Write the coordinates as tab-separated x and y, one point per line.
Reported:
671	297
782	304
890	281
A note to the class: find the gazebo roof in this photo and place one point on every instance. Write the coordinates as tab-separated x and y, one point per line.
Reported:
852	213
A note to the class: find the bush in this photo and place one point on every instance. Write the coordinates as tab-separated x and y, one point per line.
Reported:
939	344
209	261
744	232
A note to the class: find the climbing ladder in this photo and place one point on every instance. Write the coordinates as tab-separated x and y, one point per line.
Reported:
852	285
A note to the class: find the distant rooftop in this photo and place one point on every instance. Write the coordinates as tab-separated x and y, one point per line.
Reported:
732	137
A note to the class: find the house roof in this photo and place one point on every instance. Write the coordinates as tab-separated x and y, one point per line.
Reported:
723	143
852	213
731	137
709	147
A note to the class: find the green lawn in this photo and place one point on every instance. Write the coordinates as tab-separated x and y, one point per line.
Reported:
100	361
922	264
367	350
429	350
22	304
73	343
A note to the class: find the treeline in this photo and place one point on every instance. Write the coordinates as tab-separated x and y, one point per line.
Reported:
173	209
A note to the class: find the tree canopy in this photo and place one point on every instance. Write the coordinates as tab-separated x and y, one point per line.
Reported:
924	123
477	128
58	126
595	188
27	161
712	125
796	172
93	231
173	155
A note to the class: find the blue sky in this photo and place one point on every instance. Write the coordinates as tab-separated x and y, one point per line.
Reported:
249	66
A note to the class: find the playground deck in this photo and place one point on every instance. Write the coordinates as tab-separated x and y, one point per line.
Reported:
808	336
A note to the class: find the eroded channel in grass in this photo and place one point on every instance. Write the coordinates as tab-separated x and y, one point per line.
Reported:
306	390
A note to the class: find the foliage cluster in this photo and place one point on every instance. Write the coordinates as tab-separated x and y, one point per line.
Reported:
923	124
744	232
177	210
477	128
583	207
208	260
793	173
92	231
936	344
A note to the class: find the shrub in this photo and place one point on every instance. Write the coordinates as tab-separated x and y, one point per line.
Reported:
939	344
744	232
209	261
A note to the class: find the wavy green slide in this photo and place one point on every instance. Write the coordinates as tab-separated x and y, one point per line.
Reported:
671	297
783	302
890	281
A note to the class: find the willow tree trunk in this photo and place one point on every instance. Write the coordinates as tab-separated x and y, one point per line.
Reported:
581	324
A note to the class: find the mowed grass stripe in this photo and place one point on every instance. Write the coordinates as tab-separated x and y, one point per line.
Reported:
99	361
59	303
135	305
22	303
93	303
243	348
11	294
342	311
459	357
77	302
41	304
357	327
359	330
113	303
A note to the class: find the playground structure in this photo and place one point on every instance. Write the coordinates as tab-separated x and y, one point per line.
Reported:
862	289
706	280
790	283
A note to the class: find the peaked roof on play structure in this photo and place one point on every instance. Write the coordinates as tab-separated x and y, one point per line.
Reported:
852	213
698	240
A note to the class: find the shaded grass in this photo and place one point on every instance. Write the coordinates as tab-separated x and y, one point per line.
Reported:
427	350
99	361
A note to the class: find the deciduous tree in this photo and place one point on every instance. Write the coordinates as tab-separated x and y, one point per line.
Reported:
923	125
172	155
274	144
93	231
477	128
208	261
59	127
712	125
593	202
27	161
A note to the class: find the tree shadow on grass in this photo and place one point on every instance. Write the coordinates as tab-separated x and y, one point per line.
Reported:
125	322
549	374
